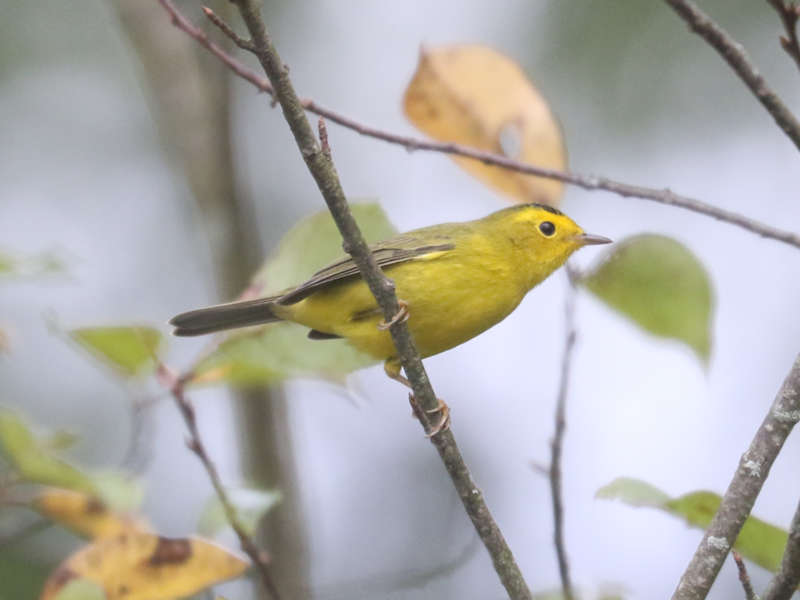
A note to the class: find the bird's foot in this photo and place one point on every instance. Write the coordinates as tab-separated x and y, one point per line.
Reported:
401	316
441	408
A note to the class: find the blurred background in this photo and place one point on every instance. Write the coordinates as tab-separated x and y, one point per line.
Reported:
161	183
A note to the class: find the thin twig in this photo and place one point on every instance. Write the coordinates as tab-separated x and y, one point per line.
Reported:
195	443
587	182
557	443
789	14
228	30
741	494
734	54
749	594
786	581
324	173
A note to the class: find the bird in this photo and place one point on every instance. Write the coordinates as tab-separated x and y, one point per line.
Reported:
453	282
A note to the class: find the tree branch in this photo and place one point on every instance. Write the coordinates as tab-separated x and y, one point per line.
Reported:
587	182
789	14
741	494
324	173
195	443
785	583
557	443
190	92
734	54
744	578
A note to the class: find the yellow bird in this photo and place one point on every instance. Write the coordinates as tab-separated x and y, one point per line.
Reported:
454	281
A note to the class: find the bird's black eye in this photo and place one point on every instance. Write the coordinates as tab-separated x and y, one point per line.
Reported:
547	228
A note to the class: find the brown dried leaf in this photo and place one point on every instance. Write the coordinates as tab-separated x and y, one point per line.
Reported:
145	566
84	514
475	96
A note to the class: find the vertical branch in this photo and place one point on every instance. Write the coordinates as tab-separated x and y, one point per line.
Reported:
324	173
557	443
744	578
743	490
196	445
190	94
785	583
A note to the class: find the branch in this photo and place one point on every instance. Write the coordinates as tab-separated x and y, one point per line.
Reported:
749	593
558	438
195	444
324	173
789	14
587	182
787	580
741	494
735	56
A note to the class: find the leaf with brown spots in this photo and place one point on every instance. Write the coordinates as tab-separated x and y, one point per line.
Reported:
145	566
475	96
85	515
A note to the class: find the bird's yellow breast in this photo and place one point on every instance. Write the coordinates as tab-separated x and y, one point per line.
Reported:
452	296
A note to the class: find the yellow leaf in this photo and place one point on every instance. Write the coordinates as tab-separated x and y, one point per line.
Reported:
475	96
145	566
84	514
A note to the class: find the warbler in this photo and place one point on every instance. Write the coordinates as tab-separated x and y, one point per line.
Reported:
453	281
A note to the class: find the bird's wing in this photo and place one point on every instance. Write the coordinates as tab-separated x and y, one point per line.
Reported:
391	252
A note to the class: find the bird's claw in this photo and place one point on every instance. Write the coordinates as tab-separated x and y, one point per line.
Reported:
401	316
441	408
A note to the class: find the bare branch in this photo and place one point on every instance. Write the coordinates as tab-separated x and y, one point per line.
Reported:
785	583
324	173
587	182
741	494
195	443
558	437
735	56
749	594
228	31
789	14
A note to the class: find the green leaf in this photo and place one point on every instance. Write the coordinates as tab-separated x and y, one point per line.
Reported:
275	352
33	460
251	505
280	350
81	589
120	491
660	285
313	243
634	492
758	541
130	351
60	439
46	263
20	576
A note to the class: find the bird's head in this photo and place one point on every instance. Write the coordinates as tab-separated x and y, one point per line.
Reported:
544	235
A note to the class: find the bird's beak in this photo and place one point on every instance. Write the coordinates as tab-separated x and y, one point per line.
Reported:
589	239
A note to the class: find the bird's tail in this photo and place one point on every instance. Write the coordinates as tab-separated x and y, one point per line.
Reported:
225	316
